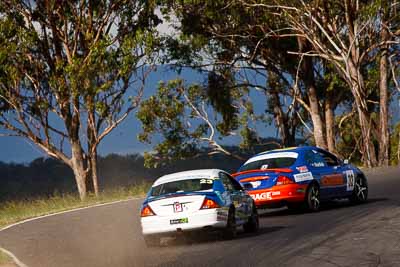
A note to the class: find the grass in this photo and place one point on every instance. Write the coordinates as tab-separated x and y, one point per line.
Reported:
15	211
4	259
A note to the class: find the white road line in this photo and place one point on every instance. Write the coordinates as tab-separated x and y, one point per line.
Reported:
66	211
13	257
20	263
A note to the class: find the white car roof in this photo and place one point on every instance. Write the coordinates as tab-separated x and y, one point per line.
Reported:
272	156
193	174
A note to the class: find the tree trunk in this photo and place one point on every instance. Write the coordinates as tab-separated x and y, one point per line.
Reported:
358	91
307	70
368	148
281	121
279	116
93	165
78	167
318	127
398	151
92	145
383	103
330	124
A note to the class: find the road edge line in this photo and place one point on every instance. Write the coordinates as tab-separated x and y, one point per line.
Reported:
13	257
20	263
66	211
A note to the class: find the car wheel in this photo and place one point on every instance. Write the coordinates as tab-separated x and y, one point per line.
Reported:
360	191
230	230
253	223
152	241
312	201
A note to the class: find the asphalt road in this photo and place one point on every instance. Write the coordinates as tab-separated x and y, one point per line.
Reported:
339	235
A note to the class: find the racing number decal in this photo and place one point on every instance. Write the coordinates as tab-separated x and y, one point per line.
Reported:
264	167
350	180
206	181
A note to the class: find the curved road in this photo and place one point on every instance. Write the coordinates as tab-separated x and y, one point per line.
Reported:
339	235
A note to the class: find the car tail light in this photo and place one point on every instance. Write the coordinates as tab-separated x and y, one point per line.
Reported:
282	180
147	211
209	204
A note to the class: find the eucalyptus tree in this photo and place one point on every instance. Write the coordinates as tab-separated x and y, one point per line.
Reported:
186	124
228	33
388	44
71	72
223	35
349	34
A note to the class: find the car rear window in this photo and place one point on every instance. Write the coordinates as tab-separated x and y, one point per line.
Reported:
270	161
182	186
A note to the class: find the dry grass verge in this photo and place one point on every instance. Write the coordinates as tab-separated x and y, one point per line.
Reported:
15	211
6	261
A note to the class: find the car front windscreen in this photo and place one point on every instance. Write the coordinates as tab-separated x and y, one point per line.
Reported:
269	161
182	186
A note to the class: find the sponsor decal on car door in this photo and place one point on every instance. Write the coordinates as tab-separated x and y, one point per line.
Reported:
332	180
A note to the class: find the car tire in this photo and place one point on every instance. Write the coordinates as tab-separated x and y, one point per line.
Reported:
230	230
253	224
312	201
360	191
152	241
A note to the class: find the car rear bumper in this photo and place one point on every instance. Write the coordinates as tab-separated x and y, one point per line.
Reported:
277	196
199	220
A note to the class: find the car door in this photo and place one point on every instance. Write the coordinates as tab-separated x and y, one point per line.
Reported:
237	197
245	199
335	179
319	169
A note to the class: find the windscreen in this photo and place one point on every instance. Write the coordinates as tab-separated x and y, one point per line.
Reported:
270	161
182	186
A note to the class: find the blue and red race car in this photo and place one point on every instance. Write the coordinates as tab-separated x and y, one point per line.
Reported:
300	176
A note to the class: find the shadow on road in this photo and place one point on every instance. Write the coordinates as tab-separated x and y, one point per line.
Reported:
326	206
208	237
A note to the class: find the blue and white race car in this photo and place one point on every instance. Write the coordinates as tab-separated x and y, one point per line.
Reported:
300	176
196	200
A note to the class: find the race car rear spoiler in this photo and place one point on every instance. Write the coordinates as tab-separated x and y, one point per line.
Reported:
275	170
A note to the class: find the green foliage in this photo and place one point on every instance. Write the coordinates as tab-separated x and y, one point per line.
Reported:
329	83
250	138
225	31
81	63
241	44
350	135
189	118
165	113
221	93
87	58
259	35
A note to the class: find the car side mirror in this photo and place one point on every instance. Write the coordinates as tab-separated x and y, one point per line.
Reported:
346	161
